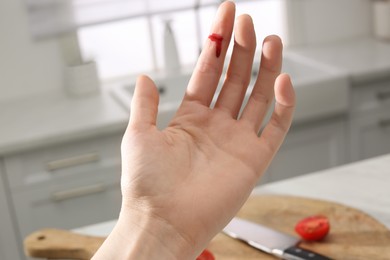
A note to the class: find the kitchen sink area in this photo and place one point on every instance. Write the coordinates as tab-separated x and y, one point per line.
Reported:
170	88
315	84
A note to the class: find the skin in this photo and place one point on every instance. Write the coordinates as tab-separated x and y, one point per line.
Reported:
183	184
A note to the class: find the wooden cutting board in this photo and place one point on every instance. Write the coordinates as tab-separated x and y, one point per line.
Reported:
353	235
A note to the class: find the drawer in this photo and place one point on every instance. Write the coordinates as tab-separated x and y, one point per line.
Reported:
74	204
373	96
66	161
370	135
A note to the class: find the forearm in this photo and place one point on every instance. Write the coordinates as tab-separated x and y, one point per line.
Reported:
138	237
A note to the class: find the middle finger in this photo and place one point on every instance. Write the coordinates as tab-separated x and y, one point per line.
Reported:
239	72
207	72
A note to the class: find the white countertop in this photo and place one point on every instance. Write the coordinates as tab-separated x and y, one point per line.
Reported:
362	185
362	59
52	118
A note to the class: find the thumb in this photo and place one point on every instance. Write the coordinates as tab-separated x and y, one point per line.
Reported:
144	105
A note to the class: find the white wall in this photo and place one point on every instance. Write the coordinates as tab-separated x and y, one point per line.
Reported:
319	21
26	66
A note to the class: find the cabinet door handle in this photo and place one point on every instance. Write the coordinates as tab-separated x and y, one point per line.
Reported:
77	192
384	95
72	161
384	123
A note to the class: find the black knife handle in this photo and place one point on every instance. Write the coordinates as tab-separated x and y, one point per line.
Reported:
297	253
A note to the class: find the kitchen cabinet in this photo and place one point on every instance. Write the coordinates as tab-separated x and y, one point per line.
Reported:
370	119
309	147
65	185
8	241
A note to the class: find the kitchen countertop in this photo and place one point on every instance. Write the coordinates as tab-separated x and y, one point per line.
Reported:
52	118
363	59
363	185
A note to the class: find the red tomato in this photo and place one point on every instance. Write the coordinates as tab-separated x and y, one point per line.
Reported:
206	255
313	228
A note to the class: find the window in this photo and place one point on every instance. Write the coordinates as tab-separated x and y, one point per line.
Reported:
134	46
119	48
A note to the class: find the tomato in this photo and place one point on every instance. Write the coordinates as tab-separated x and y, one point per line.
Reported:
206	255
313	228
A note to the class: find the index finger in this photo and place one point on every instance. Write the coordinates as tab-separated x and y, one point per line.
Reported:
206	75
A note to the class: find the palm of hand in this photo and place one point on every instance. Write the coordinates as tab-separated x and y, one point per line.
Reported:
203	157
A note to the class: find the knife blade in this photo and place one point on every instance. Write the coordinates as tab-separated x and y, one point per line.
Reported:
268	240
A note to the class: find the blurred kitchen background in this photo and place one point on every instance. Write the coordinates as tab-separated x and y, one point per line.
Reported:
67	71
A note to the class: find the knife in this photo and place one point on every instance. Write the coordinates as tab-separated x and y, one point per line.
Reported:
273	242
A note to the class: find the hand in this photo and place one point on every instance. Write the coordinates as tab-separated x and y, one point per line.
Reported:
183	184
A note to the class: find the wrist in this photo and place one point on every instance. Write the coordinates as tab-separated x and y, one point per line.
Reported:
136	236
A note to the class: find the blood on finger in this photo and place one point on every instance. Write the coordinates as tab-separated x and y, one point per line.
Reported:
218	42
206	255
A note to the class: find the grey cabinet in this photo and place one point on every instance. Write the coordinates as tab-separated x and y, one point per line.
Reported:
370	136
310	147
370	120
8	241
65	186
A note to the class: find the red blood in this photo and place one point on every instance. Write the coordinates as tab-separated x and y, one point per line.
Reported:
206	255
218	41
